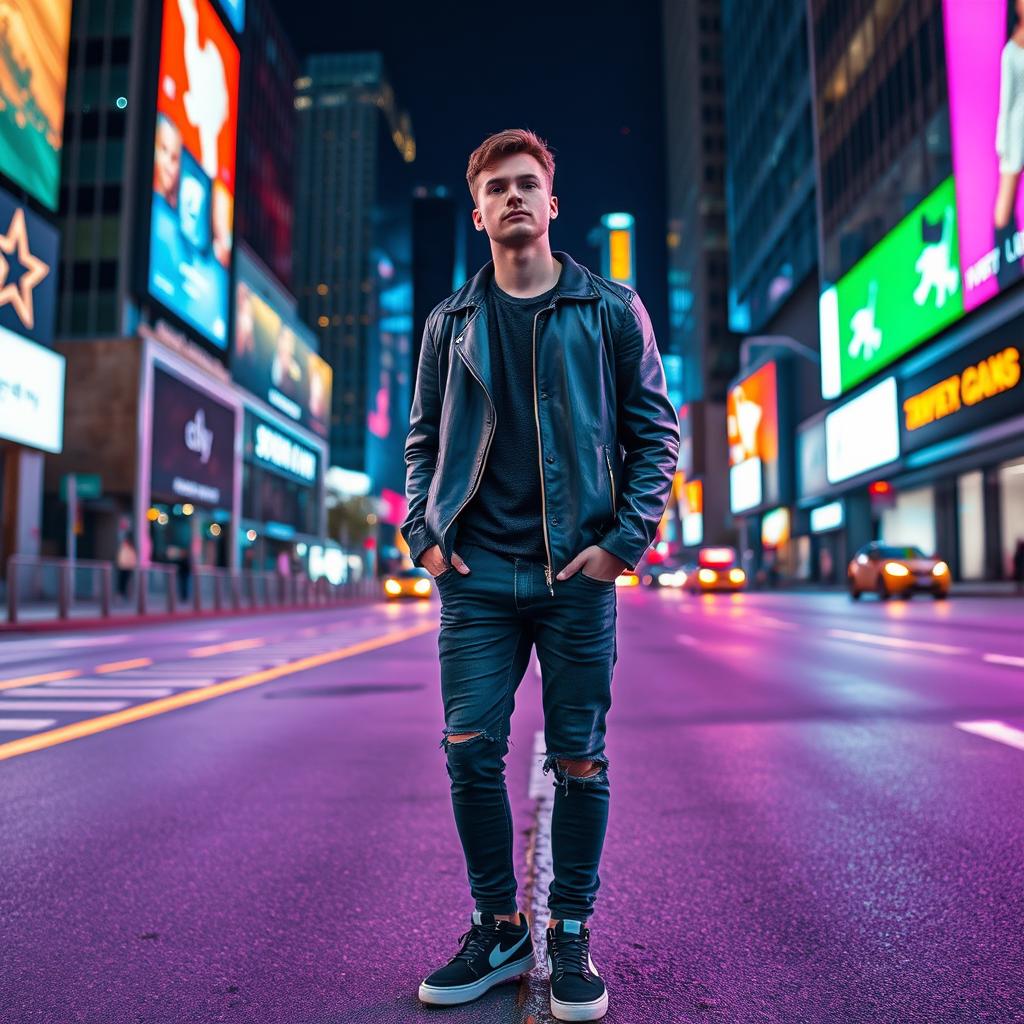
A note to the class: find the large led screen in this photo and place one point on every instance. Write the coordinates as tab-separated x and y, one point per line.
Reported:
34	37
192	221
193	444
985	65
28	271
752	422
863	433
274	354
906	289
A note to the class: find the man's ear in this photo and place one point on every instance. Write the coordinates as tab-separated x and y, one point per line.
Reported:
478	221
554	207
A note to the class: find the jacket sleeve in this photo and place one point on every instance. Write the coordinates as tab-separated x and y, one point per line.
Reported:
421	447
648	429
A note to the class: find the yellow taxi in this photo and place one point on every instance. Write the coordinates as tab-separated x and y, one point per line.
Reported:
887	569
717	569
415	582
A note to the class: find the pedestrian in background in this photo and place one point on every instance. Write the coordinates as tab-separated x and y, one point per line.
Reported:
542	445
127	561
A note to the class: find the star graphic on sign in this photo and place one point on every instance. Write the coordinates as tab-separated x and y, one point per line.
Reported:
19	292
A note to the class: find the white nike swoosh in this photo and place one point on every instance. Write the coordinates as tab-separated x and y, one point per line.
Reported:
499	956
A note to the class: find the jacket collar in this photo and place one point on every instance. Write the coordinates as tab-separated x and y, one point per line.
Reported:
575	282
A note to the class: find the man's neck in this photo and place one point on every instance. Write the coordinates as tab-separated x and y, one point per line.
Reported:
526	272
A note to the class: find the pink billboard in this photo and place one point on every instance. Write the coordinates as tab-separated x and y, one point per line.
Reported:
985	62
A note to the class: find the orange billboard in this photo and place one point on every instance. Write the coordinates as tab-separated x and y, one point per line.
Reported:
752	417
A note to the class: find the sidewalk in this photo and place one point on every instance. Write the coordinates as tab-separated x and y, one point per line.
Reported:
43	617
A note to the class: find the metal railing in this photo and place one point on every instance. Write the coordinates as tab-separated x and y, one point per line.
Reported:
41	589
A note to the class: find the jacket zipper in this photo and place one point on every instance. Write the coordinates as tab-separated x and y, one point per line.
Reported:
611	478
487	449
540	462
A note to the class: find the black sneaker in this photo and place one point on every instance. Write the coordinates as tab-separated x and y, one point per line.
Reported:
492	952
577	992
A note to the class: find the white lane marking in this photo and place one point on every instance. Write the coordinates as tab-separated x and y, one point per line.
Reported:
1004	659
998	731
26	724
171	681
46	691
62	705
895	642
767	620
91	641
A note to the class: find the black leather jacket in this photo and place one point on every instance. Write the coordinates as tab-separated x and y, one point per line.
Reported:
608	445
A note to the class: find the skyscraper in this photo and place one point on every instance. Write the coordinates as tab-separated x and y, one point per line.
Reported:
698	248
354	147
264	215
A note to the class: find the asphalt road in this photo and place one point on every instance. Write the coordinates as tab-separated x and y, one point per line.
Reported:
816	816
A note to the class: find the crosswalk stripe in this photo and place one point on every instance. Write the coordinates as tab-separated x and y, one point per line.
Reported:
46	691
62	705
171	682
998	731
25	724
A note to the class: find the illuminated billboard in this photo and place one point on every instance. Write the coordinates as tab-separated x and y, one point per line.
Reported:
752	422
971	388
28	271
862	434
34	40
235	11
31	393
274	353
984	67
192	218
906	289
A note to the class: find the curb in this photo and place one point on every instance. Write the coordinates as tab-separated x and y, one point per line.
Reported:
117	621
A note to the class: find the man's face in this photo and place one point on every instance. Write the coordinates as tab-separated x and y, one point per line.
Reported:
168	159
513	202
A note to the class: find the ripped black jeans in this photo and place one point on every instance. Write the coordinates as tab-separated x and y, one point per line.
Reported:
490	621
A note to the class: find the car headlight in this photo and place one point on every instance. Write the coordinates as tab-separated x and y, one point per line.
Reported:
940	569
392	587
895	569
422	587
707	576
737	575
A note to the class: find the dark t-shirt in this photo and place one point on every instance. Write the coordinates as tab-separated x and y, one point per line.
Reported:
505	513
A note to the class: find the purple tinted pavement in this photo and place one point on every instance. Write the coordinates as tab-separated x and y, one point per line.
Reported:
800	831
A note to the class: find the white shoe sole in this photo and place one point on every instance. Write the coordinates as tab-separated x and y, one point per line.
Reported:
593	1010
453	995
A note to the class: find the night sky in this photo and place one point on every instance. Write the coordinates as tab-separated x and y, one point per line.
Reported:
584	75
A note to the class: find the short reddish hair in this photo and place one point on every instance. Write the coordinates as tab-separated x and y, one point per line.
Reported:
509	143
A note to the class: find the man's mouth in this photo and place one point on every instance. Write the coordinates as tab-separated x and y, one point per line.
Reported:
516	213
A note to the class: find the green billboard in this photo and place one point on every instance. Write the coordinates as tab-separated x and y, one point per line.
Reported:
906	289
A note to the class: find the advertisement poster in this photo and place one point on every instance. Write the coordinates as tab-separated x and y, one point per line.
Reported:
985	63
862	434
193	444
31	393
28	271
34	40
752	423
274	353
192	222
906	289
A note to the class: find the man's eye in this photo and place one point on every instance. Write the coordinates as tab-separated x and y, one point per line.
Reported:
530	184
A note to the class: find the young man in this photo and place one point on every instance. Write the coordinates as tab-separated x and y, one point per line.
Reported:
540	456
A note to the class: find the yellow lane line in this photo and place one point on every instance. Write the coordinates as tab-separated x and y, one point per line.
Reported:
122	666
234	645
46	677
102	723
